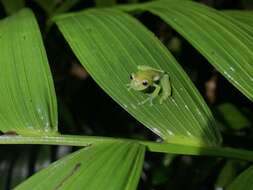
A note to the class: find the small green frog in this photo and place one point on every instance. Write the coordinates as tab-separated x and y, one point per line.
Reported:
148	78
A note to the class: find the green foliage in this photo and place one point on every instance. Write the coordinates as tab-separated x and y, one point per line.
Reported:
28	102
228	173
107	166
110	45
232	116
218	37
53	7
243	181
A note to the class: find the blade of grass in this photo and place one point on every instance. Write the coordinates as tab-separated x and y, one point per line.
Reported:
27	96
110	45
106	166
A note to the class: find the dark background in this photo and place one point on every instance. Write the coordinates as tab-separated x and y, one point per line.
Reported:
84	109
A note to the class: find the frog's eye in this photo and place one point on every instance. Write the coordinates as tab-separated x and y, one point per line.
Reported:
145	82
131	76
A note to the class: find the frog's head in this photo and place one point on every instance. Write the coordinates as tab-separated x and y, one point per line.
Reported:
139	82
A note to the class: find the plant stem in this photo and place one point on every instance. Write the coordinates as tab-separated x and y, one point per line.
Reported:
70	140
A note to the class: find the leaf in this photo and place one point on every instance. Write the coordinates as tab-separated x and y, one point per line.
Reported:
245	17
224	43
65	6
110	45
242	19
27	97
56	7
232	116
228	173
104	166
12	6
243	181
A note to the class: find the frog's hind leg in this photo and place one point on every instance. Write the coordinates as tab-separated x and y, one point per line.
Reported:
166	88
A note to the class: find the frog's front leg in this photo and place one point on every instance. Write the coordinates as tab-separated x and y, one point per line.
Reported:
153	95
166	88
129	87
148	68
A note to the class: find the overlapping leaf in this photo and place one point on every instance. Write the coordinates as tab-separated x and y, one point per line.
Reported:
105	166
110	45
223	41
228	173
243	181
27	97
56	7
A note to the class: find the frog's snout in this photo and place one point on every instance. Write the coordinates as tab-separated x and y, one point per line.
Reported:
138	85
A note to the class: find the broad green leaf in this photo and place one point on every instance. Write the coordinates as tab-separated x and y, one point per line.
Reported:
245	17
243	181
105	166
12	6
27	96
110	45
225	43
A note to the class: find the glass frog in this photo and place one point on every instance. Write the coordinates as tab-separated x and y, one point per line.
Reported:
153	81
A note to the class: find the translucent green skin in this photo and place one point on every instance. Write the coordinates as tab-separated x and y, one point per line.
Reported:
147	77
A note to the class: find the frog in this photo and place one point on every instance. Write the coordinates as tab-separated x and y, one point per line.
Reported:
147	78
